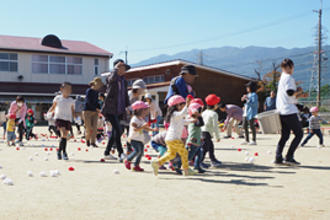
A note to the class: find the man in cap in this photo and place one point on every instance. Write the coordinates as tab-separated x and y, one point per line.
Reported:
181	85
115	104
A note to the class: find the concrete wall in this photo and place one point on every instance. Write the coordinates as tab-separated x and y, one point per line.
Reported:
25	69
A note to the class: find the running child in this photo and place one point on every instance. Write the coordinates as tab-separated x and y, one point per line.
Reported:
11	126
30	121
210	129
177	111
315	126
63	106
136	135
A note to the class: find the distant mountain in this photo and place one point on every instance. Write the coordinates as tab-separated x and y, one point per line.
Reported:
245	60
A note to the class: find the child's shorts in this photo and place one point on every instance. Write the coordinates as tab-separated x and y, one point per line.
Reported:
11	136
63	124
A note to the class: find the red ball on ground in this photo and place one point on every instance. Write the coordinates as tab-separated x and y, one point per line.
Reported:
256	154
239	149
46	149
71	169
17	148
51	149
145	150
102	160
86	150
79	149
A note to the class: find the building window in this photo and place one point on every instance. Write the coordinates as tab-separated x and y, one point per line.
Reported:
130	82
8	62
96	66
57	64
154	79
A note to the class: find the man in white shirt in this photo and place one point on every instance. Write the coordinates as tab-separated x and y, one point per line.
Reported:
286	101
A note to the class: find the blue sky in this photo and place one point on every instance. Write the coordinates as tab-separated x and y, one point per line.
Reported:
151	27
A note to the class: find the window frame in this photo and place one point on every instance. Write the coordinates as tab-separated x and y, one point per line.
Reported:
10	61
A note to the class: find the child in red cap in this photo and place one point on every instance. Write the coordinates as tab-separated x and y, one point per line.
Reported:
11	126
210	128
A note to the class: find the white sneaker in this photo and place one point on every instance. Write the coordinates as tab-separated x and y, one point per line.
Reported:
122	157
110	157
253	143
321	145
245	143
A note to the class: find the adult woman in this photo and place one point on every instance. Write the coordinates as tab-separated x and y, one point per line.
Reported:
19	108
91	110
115	104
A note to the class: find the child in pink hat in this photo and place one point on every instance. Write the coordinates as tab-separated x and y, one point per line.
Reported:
176	113
315	126
136	135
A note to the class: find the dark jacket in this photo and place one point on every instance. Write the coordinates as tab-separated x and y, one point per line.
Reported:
178	87
111	99
92	100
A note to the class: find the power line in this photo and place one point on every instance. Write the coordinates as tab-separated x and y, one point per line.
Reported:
251	29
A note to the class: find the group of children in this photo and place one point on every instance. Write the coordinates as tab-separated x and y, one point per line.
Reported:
187	138
12	123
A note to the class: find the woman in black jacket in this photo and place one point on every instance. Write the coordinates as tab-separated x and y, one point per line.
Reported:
115	104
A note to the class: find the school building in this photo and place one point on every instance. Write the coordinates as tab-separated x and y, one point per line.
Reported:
229	86
35	68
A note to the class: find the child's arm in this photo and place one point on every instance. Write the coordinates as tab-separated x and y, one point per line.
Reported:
73	113
215	127
143	127
53	107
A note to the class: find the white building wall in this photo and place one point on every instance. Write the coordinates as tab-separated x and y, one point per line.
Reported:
25	69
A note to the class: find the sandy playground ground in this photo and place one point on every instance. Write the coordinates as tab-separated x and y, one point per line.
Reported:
238	190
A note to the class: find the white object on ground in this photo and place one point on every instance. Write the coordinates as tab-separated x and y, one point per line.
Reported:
43	174
251	160
31	158
72	154
29	173
8	181
3	176
0	167
247	158
247	153
36	154
53	173
115	171
46	159
48	153
269	152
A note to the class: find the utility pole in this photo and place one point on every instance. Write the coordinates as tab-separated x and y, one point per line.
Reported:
319	55
200	60
126	52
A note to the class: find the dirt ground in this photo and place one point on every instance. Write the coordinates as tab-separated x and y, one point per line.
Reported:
237	190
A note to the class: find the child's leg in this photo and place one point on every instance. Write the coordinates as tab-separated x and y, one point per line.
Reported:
182	151
171	152
246	129
139	154
198	158
309	136
134	152
63	141
319	134
162	150
253	128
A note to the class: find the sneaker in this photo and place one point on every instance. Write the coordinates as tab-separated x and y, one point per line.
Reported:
189	172
162	167
321	145
65	156
155	167
292	162
178	171
127	164
138	169
199	170
278	162
110	157
253	143
205	166
21	144
216	164
245	143
241	137
59	156
122	157
94	145
302	145
227	137
13	144
88	143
